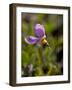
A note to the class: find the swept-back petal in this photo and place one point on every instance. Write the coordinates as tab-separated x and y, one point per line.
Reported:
39	30
31	40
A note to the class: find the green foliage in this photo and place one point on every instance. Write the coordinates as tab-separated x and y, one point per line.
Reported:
45	61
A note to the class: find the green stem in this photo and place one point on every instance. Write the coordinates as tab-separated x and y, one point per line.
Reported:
41	54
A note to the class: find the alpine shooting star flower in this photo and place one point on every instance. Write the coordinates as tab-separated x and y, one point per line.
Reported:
39	38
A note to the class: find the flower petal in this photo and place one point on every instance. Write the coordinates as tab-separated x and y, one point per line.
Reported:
39	30
31	40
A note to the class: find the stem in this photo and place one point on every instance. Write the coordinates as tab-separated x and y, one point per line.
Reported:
40	50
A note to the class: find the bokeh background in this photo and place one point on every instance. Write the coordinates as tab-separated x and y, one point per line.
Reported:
36	60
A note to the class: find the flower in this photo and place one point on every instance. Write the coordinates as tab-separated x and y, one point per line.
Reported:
40	36
30	68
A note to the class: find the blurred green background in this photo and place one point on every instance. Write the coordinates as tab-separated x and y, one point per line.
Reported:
39	61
